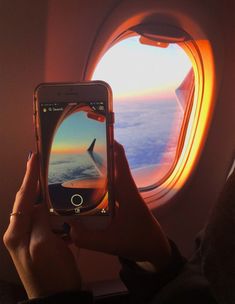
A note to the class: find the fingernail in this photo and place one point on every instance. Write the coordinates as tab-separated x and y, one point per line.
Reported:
66	228
29	155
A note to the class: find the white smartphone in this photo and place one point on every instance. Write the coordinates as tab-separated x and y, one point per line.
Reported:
74	133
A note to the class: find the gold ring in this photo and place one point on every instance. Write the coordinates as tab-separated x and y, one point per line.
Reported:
16	213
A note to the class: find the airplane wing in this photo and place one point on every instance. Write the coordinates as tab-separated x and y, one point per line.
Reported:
89	182
96	159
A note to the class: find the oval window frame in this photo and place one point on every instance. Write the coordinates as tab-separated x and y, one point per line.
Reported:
201	55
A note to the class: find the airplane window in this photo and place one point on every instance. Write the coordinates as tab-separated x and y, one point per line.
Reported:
152	89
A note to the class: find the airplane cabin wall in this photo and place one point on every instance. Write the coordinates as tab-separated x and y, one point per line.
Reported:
23	38
35	48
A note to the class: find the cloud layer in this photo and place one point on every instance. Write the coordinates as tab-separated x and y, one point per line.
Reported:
149	131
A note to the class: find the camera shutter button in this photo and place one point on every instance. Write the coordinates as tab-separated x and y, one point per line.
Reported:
77	200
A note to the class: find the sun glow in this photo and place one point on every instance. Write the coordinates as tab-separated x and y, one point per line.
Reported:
133	69
149	85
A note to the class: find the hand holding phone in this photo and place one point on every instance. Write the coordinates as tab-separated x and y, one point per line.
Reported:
43	260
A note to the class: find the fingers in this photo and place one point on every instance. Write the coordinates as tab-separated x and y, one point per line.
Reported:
27	194
125	187
18	230
121	163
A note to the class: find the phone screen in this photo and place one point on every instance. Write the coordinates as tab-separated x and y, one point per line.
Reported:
75	159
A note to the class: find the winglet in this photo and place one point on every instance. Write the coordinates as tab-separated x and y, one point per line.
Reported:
184	91
90	149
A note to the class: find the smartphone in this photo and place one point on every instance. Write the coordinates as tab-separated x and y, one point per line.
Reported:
74	134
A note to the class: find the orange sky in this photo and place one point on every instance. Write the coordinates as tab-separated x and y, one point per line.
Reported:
67	151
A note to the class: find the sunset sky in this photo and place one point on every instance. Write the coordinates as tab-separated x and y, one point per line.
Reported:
135	70
148	118
76	133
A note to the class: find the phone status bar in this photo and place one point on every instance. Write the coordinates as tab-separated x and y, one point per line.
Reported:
52	108
59	107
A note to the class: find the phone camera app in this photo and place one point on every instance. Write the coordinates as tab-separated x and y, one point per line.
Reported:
77	163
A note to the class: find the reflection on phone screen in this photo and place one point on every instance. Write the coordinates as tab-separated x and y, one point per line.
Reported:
74	140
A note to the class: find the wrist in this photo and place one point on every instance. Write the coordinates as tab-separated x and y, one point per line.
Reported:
161	256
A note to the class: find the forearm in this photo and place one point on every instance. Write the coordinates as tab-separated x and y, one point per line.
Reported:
218	245
144	284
